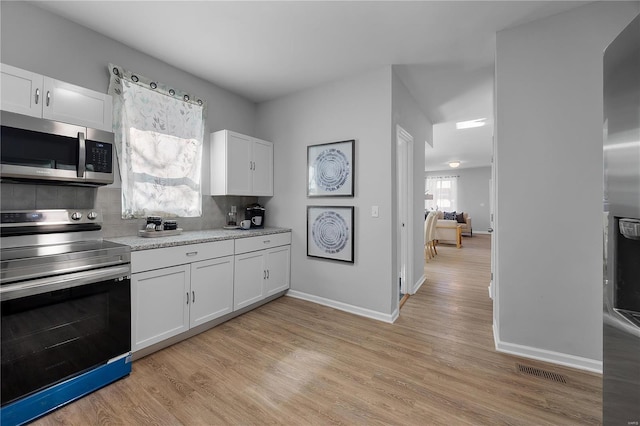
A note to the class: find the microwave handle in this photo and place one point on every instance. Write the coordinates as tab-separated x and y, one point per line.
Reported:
81	154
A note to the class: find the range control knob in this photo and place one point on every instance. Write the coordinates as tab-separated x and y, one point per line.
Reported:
76	215
92	216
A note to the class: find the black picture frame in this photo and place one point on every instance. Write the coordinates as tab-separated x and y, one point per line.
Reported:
330	233
331	169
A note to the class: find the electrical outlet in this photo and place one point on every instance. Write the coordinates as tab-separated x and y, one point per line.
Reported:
374	211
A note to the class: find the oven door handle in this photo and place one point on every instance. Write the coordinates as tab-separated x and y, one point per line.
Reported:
44	285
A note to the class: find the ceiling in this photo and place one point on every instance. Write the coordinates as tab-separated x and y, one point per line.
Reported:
262	50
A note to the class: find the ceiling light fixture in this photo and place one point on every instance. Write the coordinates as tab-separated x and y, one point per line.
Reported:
478	122
454	164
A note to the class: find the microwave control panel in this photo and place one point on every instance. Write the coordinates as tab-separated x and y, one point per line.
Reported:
99	157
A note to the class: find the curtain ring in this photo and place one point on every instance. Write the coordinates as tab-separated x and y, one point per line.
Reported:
186	98
172	92
134	78
153	85
115	71
200	102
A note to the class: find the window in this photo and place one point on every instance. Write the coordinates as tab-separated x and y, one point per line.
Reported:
441	193
158	138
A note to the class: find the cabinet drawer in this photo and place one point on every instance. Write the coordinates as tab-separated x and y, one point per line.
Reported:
245	245
145	260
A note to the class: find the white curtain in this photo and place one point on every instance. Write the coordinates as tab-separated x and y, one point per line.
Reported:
441	193
158	135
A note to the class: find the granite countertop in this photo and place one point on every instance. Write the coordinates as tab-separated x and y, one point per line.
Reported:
193	237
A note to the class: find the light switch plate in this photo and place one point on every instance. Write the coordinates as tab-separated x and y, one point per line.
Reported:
374	211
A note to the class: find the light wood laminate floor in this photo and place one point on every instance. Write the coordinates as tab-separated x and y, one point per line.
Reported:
293	362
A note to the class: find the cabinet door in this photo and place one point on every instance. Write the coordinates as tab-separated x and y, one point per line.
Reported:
76	105
263	168
21	91
159	305
211	289
278	261
248	279
239	164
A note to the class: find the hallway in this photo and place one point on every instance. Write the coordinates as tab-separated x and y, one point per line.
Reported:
455	313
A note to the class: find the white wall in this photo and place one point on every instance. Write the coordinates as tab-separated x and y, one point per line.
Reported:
39	41
356	108
407	114
473	194
549	183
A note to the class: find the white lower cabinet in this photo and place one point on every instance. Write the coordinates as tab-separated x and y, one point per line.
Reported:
249	277
159	305
211	290
168	301
174	289
260	273
278	266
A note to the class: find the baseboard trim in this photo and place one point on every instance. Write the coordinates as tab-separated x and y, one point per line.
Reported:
480	233
352	309
544	355
418	284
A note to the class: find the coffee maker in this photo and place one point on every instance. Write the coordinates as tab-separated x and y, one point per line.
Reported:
255	213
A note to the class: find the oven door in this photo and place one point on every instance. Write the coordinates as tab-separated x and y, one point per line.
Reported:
59	327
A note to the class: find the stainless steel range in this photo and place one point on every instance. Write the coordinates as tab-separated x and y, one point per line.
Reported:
66	310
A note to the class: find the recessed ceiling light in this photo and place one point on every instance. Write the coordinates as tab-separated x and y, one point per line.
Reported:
479	122
454	164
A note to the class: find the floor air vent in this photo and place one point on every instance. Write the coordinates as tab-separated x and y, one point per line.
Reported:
541	373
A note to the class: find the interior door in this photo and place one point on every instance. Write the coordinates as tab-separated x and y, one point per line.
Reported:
404	143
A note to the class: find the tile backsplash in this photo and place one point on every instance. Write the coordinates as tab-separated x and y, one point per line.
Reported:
16	196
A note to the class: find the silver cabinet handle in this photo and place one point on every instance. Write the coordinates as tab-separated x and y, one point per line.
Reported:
48	97
187	298
37	96
264	274
192	253
194	296
267	274
266	241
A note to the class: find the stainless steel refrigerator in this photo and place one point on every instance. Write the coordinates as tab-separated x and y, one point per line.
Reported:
621	316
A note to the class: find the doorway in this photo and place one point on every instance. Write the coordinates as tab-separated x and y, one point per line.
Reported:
404	179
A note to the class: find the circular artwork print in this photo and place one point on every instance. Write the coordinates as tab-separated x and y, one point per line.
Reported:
330	232
332	169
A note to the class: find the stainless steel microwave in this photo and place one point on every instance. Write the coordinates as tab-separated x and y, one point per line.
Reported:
35	149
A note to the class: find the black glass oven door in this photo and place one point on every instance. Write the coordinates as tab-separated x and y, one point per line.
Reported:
50	336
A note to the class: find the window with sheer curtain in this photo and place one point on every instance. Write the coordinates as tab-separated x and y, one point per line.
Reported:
158	137
441	193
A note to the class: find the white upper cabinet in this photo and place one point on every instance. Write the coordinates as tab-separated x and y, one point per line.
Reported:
240	165
21	91
28	93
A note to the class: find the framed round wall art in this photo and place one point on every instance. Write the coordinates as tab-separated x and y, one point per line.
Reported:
330	169
330	232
